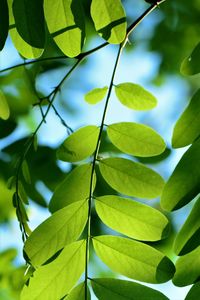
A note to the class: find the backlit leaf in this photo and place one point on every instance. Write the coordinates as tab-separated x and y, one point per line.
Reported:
183	184
67	30
4	108
62	228
4	23
131	178
135	96
79	145
109	20
116	289
191	64
26	172
136	139
74	187
187	268
194	292
187	128
96	95
78	293
133	259
131	218
54	280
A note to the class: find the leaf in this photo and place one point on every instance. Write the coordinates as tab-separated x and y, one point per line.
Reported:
22	193
136	139
78	293
133	259
68	31
187	268
135	96
54	280
26	172
79	145
109	20
187	128
117	289
191	64
29	21
62	228
131	178
75	187
131	218
194	292
187	238
96	95
183	184
4	108
4	23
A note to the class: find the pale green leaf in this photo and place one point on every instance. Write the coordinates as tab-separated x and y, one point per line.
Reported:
79	145
96	95
135	96
187	268
75	187
187	238
131	178
136	139
4	23
194	292
26	172
109	20
183	184
4	108
131	218
66	23
187	128
116	289
62	228
78	293
191	64
54	280
133	259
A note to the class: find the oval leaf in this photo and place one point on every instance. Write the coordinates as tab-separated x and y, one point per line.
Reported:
187	128
96	95
191	64
116	289
188	237
75	187
131	178
135	96
68	31
78	293
4	23
62	228
4	108
183	184
26	172
187	268
131	218
133	259
194	292
109	20
79	145
56	279
136	139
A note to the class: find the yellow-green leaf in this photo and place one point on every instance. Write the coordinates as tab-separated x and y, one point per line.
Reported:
78	293
4	108
96	95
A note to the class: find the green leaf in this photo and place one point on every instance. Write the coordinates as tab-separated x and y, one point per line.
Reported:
62	228
79	145
135	96
4	108
26	172
109	20
183	184
136	139
187	268
131	218
96	95
133	259
187	128
67	30
191	64
78	293
131	178
54	280
29	21
22	193
4	23
194	292
116	289
187	238
74	187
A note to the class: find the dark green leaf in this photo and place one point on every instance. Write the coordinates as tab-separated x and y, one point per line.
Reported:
96	95
4	22
194	292
26	172
191	64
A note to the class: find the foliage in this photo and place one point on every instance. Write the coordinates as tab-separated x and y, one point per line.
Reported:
107	169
